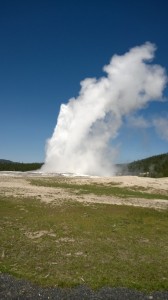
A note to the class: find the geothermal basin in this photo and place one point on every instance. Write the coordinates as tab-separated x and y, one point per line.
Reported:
18	184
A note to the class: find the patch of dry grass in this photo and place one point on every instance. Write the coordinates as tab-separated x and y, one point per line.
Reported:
111	189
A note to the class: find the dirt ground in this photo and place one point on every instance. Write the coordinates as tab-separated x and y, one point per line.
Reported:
18	184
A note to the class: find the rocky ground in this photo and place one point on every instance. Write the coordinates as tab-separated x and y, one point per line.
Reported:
11	288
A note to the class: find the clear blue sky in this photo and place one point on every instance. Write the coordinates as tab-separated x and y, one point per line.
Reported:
48	47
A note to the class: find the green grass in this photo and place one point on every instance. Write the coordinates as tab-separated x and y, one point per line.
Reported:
99	189
96	245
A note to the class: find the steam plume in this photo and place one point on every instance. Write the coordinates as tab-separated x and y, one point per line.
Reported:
81	142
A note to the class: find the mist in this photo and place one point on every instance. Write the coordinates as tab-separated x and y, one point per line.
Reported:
87	125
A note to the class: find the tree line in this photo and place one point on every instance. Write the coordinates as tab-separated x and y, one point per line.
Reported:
22	167
154	166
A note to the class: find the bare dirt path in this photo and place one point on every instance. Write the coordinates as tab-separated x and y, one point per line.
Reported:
18	185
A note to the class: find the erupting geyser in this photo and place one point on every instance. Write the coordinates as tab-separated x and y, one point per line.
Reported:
81	142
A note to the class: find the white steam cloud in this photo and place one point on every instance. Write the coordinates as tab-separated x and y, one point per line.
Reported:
81	142
160	124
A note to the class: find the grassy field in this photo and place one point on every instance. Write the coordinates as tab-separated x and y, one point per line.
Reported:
73	243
